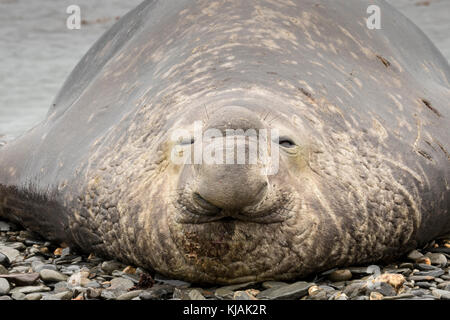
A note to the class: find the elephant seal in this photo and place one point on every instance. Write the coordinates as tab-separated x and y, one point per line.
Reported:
362	115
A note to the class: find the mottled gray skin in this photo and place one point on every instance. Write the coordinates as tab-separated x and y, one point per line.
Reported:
365	178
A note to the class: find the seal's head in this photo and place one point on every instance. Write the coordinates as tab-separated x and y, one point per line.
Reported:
235	213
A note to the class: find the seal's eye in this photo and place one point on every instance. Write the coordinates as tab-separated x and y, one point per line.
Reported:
286	142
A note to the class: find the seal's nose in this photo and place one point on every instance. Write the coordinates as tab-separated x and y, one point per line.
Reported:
239	184
231	187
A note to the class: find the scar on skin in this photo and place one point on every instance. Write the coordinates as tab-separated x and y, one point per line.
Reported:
427	103
306	93
386	62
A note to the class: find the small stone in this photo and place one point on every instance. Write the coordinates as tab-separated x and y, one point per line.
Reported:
110	266
340	275
355	289
42	266
3	270
157	292
60	287
425	285
243	295
414	255
30	289
375	296
224	294
93	293
5	298
79	279
58	251
129	270
4	260
437	259
11	253
395	280
339	296
293	291
425	267
108	295
33	296
52	276
4	287
129	295
21	279
17	246
65	295
180	294
399	297
441	294
381	287
419	292
425	260
444	285
406	265
120	286
18	296
421	278
194	294
312	290
433	273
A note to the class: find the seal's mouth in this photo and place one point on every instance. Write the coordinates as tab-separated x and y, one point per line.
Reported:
196	210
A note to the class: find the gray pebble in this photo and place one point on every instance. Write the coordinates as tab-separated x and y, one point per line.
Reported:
157	292
18	296
293	291
243	295
414	255
4	260
4	287
381	287
112	265
3	270
432	273
441	294
129	295
30	289
195	294
33	296
425	285
5	298
437	259
11	253
44	266
52	276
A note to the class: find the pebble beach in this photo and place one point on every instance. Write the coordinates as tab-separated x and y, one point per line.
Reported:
34	269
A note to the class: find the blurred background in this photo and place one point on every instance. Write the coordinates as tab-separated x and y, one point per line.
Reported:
37	51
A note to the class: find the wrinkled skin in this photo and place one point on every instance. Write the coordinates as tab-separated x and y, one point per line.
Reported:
364	165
